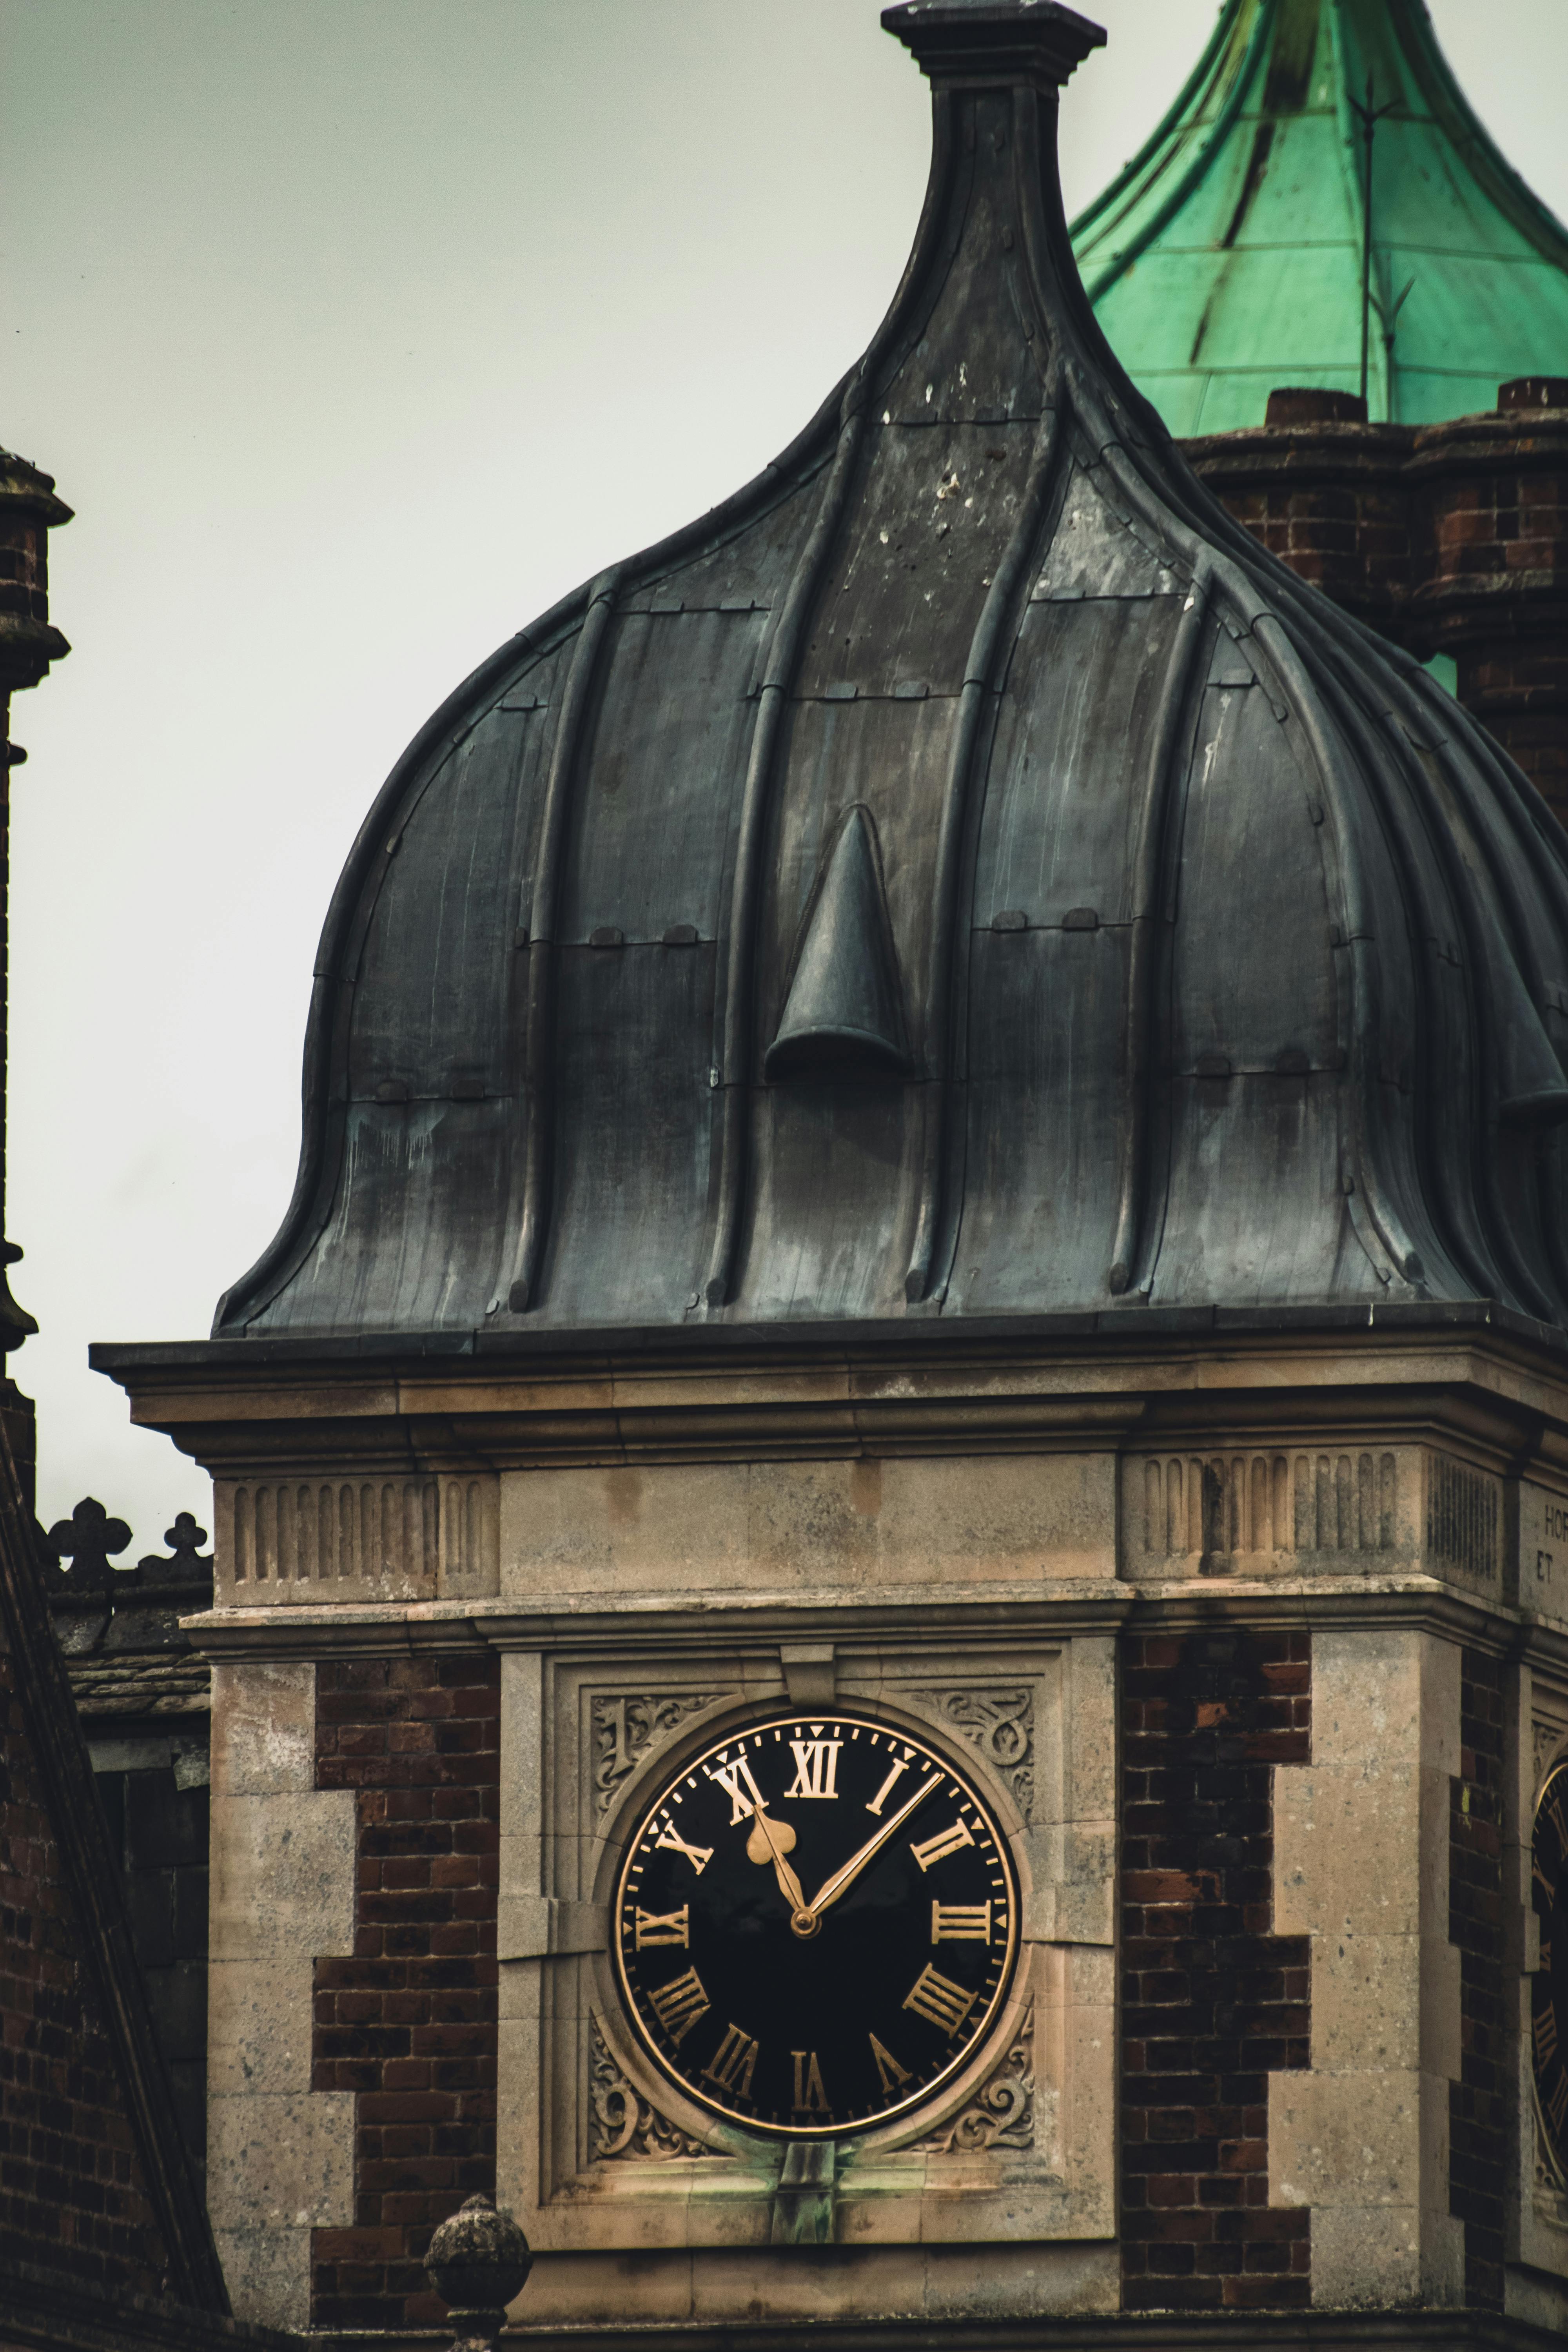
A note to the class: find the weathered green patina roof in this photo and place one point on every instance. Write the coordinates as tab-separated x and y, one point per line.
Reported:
1226	257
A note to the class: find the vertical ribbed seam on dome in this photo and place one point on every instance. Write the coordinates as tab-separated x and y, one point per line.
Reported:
538	1088
1540	838
936	1222
773	702
1197	170
1172	741
737	1046
1429	841
1381	743
1329	634
1233	587
1426	889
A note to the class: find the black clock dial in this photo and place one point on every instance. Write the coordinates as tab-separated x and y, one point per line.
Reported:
815	1924
1549	1986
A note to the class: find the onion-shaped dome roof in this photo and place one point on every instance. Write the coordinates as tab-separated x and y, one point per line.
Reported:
962	875
1227	259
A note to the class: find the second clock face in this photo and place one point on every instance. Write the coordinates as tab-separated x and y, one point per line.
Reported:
1549	1985
815	1924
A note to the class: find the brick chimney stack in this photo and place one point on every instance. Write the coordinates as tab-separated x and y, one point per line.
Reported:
1449	539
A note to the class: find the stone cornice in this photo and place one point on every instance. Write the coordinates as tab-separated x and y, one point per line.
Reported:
1034	1610
1494	1385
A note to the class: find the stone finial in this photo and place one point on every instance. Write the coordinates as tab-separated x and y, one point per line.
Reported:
478	2260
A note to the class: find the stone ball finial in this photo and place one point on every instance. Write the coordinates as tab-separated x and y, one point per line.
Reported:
478	2260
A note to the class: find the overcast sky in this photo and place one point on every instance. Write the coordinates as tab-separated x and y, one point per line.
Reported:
357	331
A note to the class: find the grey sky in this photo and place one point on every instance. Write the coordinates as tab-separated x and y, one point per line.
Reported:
357	331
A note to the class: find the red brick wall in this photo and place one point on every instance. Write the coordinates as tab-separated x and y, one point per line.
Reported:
1451	539
407	2020
1212	2001
71	2193
1479	2102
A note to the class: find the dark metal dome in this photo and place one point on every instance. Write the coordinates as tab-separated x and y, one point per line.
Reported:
963	873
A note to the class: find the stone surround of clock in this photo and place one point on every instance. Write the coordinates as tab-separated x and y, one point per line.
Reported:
939	2170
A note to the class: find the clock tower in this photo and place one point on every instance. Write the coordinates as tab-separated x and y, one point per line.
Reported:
891	1518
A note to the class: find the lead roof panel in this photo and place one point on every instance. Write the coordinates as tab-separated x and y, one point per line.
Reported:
1222	959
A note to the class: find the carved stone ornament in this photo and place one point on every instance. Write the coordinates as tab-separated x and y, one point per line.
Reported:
624	2123
625	1729
1549	1738
1550	2199
1001	1724
1002	2113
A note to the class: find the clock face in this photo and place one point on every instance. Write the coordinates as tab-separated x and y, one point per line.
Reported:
1549	1986
815	1924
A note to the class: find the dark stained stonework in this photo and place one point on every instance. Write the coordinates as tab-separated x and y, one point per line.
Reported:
143	1693
1481	2102
1213	2001
94	2182
67	2151
407	2020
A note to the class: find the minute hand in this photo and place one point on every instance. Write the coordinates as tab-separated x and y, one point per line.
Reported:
850	1871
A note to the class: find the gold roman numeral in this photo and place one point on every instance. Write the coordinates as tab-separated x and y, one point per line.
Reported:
888	2067
946	1841
680	2003
1557	2105
663	1927
745	1801
810	2099
698	1856
1545	2028
886	1791
732	2064
960	1923
1553	1810
816	1768
939	1999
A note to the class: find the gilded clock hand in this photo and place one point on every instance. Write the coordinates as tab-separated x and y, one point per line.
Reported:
790	1886
848	1872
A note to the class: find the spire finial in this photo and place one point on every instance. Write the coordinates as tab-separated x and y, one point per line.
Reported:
994	40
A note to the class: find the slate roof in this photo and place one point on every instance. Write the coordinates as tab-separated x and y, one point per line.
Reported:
961	876
1225	259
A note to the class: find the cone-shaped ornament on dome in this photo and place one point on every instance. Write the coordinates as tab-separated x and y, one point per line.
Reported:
844	1008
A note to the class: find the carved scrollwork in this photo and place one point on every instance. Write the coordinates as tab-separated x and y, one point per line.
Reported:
1002	2113
1001	1724
626	1727
624	2124
1548	1740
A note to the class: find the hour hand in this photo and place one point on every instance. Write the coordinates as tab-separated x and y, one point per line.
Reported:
769	1842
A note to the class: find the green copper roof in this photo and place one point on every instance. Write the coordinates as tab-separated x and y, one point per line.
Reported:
1227	259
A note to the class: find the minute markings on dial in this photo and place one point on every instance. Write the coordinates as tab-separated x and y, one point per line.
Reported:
1549	1982
853	1997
